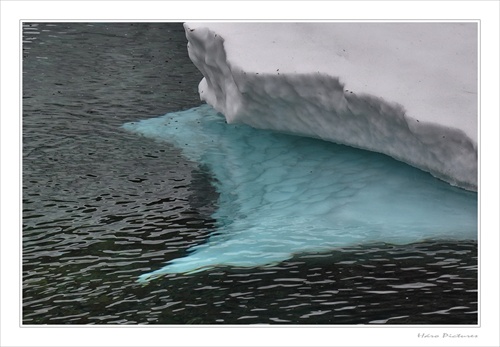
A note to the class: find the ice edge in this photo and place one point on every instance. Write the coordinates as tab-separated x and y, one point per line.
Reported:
318	105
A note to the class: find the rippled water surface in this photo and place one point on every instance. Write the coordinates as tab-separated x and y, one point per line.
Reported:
102	206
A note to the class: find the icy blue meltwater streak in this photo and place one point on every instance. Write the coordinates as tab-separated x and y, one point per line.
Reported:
281	195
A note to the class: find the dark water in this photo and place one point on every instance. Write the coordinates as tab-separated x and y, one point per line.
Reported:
102	206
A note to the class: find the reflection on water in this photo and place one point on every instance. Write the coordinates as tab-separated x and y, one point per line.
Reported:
101	207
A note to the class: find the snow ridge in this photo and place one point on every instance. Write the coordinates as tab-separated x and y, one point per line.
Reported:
319	105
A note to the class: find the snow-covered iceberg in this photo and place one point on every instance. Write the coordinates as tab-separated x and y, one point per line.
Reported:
408	90
280	194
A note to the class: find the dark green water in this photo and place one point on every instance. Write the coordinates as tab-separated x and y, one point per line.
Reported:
102	206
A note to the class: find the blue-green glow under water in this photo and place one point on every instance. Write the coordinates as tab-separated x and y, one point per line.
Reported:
282	195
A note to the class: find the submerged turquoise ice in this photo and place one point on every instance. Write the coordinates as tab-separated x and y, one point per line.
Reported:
281	195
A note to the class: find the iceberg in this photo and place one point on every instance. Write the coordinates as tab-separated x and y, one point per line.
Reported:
327	135
407	90
281	194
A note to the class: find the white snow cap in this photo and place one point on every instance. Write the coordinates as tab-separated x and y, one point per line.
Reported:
408	90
